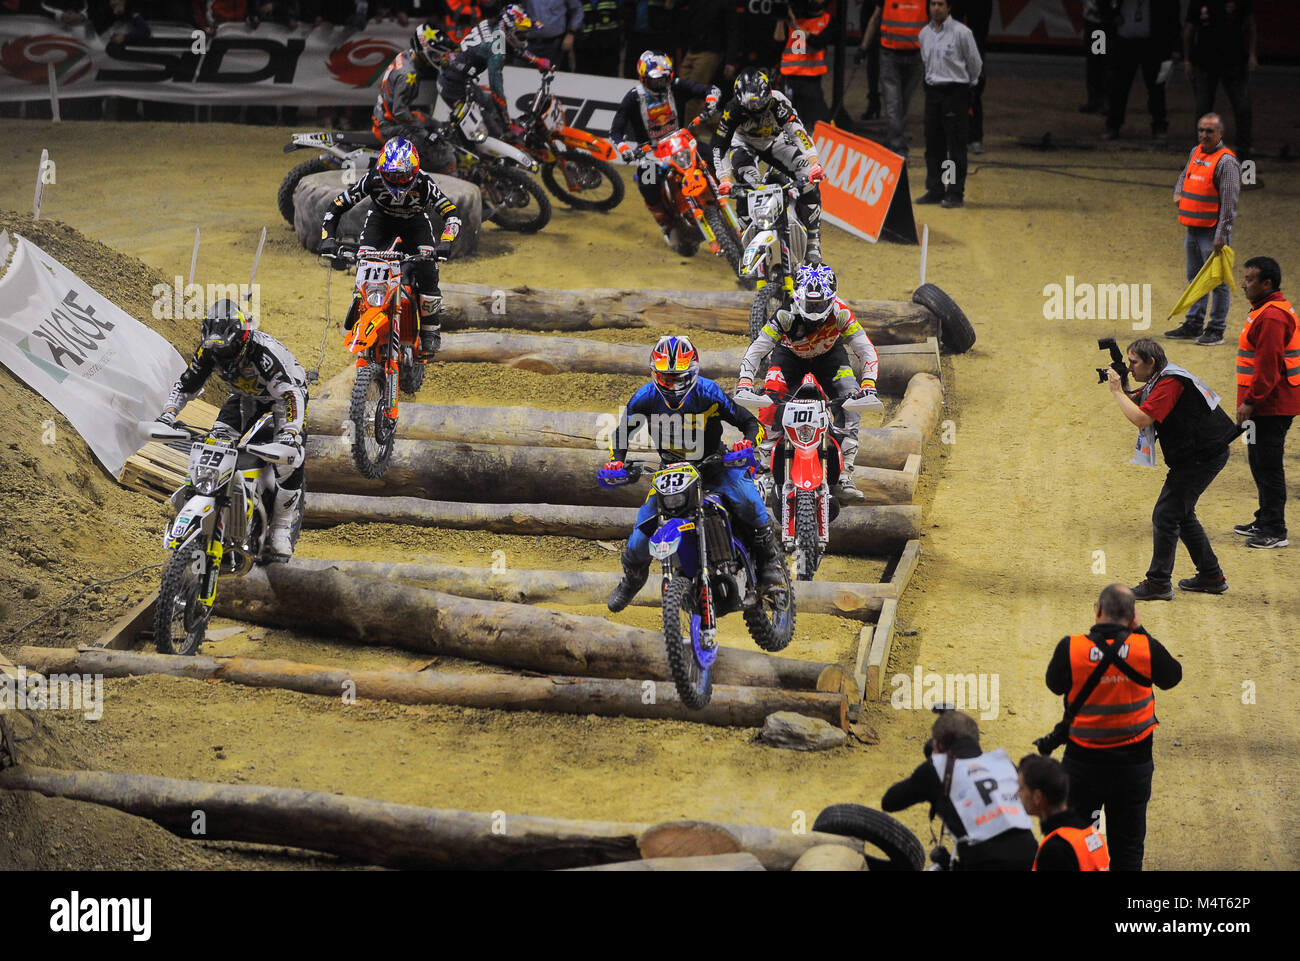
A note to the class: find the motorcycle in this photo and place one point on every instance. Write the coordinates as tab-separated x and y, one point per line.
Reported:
339	151
707	573
221	528
582	158
775	239
383	331
801	464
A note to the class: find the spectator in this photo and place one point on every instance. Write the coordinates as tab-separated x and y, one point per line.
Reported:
1094	62
1144	34
649	27
976	14
283	12
1206	195
69	13
871	53
704	25
394	10
599	41
1106	677
455	18
1070	842
113	21
557	22
952	69
899	23
1194	435
993	832
209	14
809	30
1268	394
1219	47
752	39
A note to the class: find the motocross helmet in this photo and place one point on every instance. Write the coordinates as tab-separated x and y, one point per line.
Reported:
675	368
431	45
226	333
814	295
655	71
398	166
515	21
753	90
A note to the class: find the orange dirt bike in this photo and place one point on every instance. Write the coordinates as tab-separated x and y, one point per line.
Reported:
575	164
690	193
383	330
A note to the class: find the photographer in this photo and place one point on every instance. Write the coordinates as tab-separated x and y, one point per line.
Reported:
975	796
1107	677
1177	408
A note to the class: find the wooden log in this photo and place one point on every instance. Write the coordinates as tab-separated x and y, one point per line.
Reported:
587	430
569	355
513	475
882	641
740	861
921	407
521	586
530	308
730	706
830	857
778	850
373	611
865	530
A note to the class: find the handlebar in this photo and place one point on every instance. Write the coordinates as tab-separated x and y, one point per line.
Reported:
635	470
347	255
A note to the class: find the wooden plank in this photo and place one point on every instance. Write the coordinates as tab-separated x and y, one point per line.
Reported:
860	662
906	567
124	633
881	641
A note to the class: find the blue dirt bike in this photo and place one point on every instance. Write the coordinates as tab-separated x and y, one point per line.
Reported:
708	572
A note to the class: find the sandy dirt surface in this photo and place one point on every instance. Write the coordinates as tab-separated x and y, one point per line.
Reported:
1034	483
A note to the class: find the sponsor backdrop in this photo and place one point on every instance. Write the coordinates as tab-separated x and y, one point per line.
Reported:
101	368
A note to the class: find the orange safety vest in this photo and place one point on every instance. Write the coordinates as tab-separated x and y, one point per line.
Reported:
1089	847
1119	711
901	22
1198	198
805	62
461	17
1291	353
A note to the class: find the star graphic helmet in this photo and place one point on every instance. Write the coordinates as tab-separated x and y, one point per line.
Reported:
431	45
753	90
398	166
675	368
226	333
814	293
655	71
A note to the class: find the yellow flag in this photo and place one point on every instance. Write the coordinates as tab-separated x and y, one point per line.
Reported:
1217	270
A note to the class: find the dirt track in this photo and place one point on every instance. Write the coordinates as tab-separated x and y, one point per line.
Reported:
1035	482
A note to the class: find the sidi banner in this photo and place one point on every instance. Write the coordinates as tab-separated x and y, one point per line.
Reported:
861	177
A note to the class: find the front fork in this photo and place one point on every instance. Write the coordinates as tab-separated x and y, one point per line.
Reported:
214	552
391	361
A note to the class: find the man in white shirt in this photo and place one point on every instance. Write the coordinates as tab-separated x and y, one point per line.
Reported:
952	67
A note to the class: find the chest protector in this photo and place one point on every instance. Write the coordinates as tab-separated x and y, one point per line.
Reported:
659	116
986	793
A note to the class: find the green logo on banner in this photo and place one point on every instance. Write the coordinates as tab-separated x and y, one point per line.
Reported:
58	373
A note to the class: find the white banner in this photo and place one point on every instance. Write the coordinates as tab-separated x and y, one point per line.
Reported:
100	367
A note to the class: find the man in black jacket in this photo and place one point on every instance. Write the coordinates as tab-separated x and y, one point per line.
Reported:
1108	751
1141	35
976	796
1177	408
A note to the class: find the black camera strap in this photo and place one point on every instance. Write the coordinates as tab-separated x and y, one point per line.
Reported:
1109	656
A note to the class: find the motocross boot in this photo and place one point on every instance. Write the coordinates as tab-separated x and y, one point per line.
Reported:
430	329
813	252
844	489
634	578
768	558
279	543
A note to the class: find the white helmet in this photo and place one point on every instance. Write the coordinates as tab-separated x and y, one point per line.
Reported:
814	292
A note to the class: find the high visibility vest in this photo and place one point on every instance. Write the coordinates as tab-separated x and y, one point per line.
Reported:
804	61
1291	353
1119	711
901	22
1198	198
1089	847
598	19
460	18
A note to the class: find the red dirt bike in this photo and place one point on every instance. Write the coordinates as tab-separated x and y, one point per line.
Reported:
690	192
575	164
804	462
383	330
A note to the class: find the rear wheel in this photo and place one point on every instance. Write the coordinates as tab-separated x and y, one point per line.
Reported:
584	182
372	430
513	201
692	668
807	547
180	618
284	197
411	377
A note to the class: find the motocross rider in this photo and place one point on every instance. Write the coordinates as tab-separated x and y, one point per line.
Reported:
396	114
687	411
484	49
764	126
652	110
401	195
811	338
264	376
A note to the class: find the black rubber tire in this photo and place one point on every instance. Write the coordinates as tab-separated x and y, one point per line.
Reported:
729	242
807	548
770	632
551	177
956	335
501	215
759	314
284	197
176	587
374	425
411	378
902	848
679	599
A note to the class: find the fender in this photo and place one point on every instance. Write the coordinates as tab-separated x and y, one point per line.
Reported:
756	253
502	150
196	518
581	140
806	469
669	540
370	326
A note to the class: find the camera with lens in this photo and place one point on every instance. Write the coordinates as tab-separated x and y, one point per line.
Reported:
1053	739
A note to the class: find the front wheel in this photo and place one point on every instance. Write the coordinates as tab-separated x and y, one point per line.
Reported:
691	666
180	617
372	429
771	622
807	546
760	312
728	240
584	182
513	201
